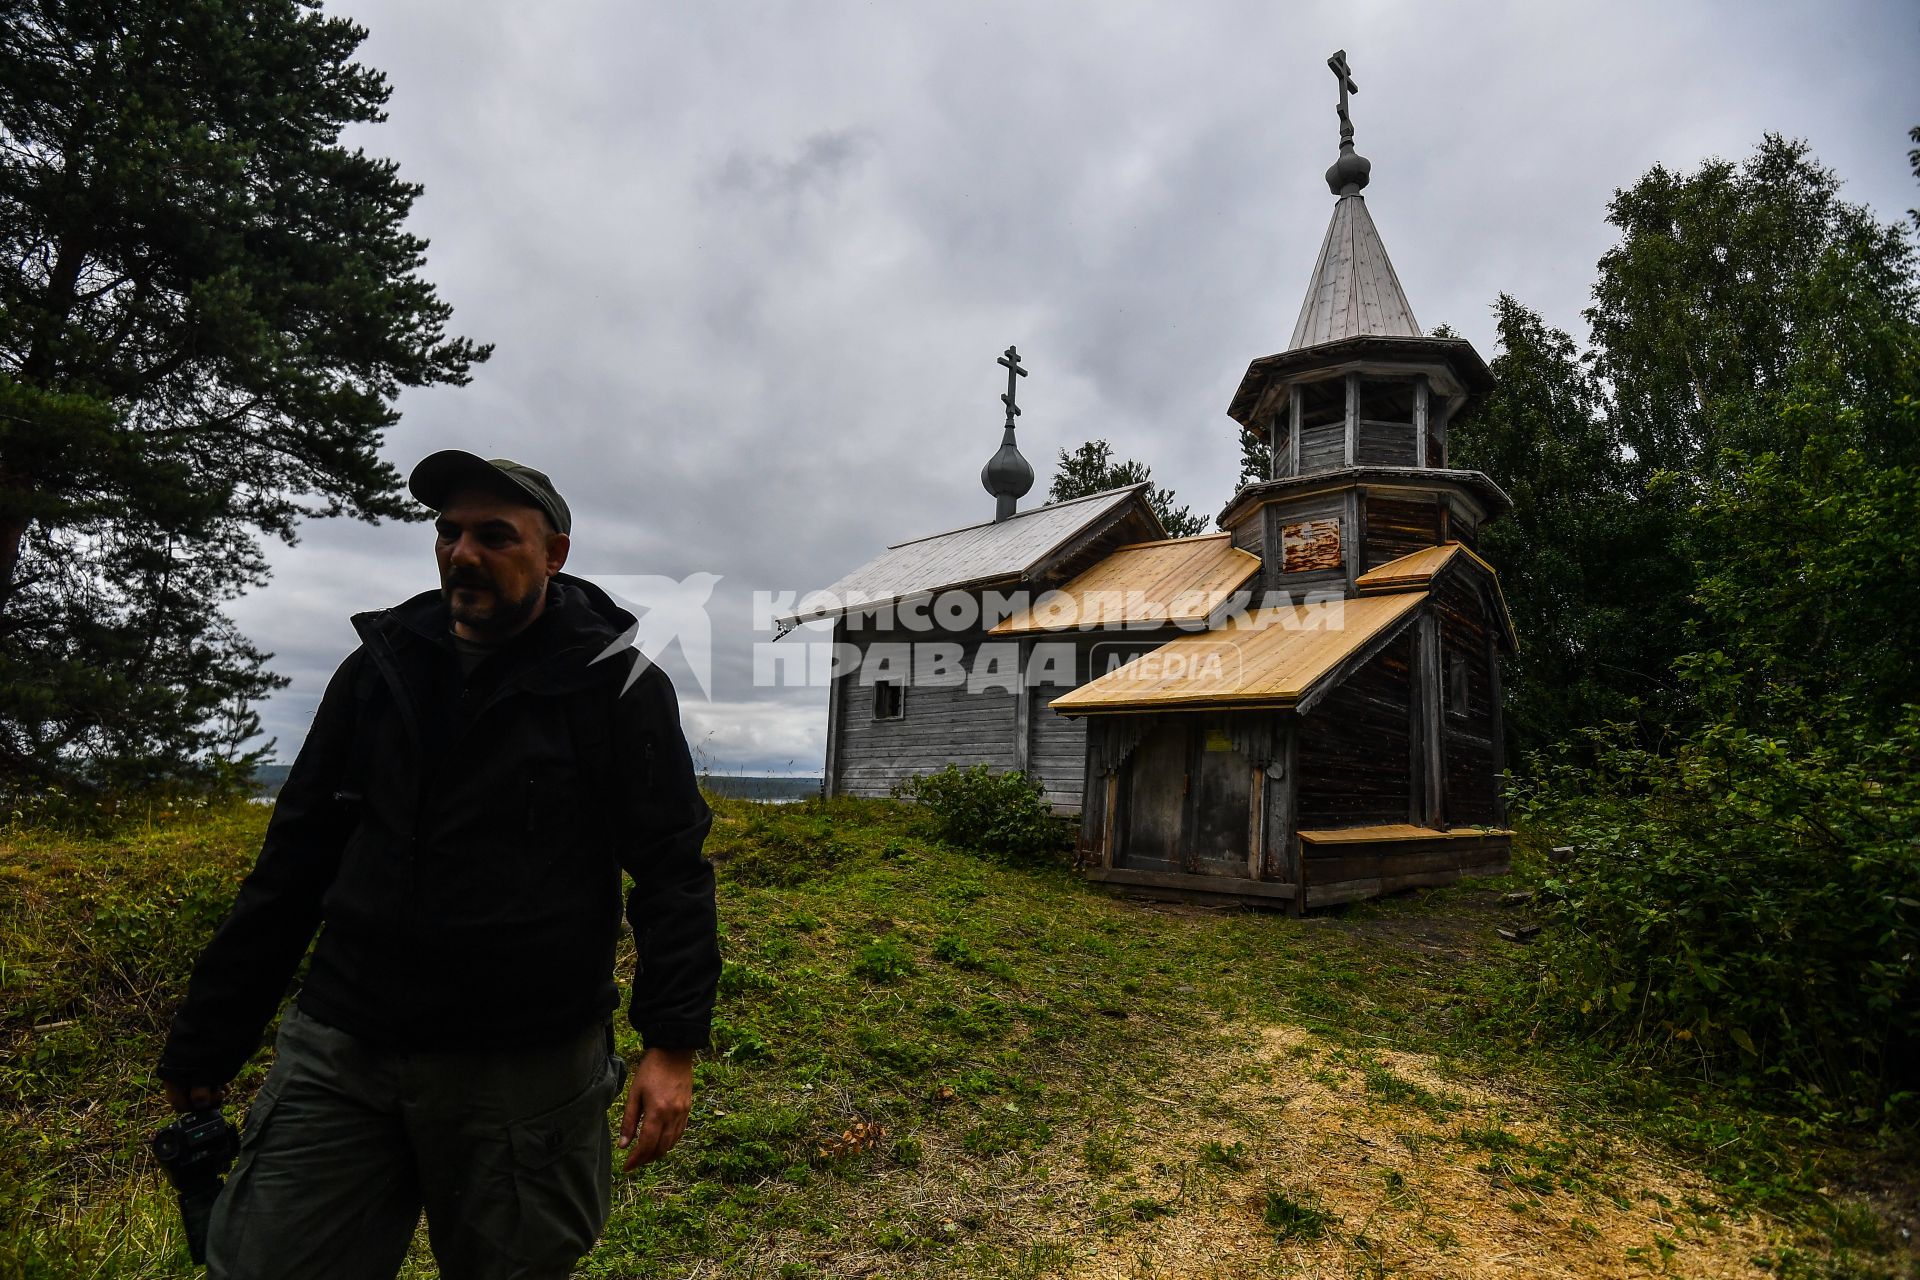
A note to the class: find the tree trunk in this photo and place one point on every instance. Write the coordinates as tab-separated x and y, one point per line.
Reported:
13	532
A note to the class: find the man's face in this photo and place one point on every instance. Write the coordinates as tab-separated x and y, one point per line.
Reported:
495	558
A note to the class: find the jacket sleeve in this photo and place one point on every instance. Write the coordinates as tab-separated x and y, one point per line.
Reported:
243	973
671	906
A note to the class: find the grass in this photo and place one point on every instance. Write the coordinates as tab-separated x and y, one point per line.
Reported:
1295	1218
927	1063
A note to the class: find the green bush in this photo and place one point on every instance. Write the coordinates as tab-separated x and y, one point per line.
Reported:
1001	813
1748	905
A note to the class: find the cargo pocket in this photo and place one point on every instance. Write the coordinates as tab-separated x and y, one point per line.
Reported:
254	1127
236	1209
562	1179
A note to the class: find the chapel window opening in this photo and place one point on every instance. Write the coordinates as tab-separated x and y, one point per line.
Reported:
1389	422
1322	442
1323	403
889	700
1437	416
1281	450
1457	685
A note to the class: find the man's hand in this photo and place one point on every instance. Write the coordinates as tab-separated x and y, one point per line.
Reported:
195	1097
662	1092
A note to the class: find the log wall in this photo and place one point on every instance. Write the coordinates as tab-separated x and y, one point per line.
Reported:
939	725
1397	527
1057	759
1464	615
1353	747
1387	444
1323	447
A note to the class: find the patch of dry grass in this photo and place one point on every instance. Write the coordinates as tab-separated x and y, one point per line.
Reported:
1475	1183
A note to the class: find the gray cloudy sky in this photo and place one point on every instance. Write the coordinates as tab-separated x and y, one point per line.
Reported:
748	266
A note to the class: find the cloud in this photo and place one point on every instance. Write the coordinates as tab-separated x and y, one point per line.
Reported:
749	267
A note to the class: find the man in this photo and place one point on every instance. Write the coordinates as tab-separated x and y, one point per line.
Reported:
455	827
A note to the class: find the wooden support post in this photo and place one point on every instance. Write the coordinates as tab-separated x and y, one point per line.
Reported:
836	715
1417	733
1023	712
1434	780
1349	544
1108	836
1257	824
1420	393
1352	417
1293	438
1283	850
1190	800
1499	720
1092	778
1361	560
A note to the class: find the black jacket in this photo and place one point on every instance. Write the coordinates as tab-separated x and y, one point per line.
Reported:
459	846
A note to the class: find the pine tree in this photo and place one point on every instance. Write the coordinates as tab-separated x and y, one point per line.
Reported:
1091	469
207	307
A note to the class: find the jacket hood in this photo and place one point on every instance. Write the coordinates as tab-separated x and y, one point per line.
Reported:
580	621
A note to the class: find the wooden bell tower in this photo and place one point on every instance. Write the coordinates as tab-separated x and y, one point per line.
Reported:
1355	413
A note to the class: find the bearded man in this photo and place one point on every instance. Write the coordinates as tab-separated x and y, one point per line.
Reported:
479	774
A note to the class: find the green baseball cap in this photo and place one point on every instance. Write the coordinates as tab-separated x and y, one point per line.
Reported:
441	475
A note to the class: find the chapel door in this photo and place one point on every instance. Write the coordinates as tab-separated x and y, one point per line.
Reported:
1156	800
1223	806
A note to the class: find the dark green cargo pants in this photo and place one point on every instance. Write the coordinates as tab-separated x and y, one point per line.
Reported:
508	1152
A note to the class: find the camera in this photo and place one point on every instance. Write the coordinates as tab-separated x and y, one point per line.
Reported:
196	1151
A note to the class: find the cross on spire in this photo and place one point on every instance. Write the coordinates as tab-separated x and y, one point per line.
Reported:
1014	372
1344	74
1349	172
1007	475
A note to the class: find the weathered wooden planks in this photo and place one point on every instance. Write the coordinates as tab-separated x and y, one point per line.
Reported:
1354	290
1238	887
939	725
1399	527
1307	545
1387	444
1058	750
1343	871
1155	786
1352	752
1462	609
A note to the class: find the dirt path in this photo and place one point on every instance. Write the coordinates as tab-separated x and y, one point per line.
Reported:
1269	1152
1306	1160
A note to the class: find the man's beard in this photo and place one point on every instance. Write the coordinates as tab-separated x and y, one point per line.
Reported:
503	617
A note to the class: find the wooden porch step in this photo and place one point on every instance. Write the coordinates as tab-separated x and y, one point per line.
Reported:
1399	832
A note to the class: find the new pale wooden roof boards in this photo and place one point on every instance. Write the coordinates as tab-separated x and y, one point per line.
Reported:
1175	581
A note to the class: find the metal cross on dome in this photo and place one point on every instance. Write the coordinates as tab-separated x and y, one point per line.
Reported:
1344	74
1012	361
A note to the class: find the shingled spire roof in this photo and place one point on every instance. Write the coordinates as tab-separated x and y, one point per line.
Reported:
1354	289
1354	292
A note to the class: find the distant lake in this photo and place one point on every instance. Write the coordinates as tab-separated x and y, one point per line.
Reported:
774	790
